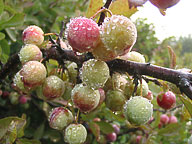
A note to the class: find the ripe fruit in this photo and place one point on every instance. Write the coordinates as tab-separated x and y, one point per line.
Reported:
30	52
138	139
83	34
5	94
138	110
163	4
33	73
166	100
133	56
149	96
33	35
164	119
60	117
23	99
75	134
111	137
116	128
115	100
85	98
135	3
94	73
172	119
53	87
118	34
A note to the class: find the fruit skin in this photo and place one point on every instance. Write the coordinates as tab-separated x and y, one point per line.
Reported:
138	110
163	4
23	99
115	100
75	134
164	119
166	100
116	128
94	73
111	137
83	34
30	52
53	87
33	35
102	96
118	34
33	73
60	117
133	56
138	139
18	83
85	98
172	119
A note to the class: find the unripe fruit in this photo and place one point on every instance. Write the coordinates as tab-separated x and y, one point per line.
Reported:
33	35
83	34
30	52
133	56
138	110
118	34
164	119
75	134
72	71
119	81
115	100
145	88
33	73
60	117
85	98
14	98
53	87
94	73
172	119
22	99
116	128
18	83
166	100
111	137
163	4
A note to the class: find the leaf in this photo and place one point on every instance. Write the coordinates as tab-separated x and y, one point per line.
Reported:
5	47
1	6
11	127
95	129
172	57
11	34
187	102
121	7
39	132
105	127
171	129
15	20
94	6
27	141
2	35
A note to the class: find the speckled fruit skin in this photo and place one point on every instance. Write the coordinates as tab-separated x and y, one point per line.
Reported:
85	98
115	100
18	83
94	73
164	119
163	4
30	52
60	117
33	73
118	34
166	100
33	35
53	87
133	56
75	134
138	110
83	34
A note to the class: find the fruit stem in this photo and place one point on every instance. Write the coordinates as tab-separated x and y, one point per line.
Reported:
76	120
100	11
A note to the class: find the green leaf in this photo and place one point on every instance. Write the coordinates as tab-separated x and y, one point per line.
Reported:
15	20
95	129
121	7
27	141
187	102
11	127
5	47
1	6
39	132
94	6
105	127
11	34
171	129
2	35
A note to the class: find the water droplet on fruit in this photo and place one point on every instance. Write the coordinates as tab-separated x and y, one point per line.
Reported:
75	28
